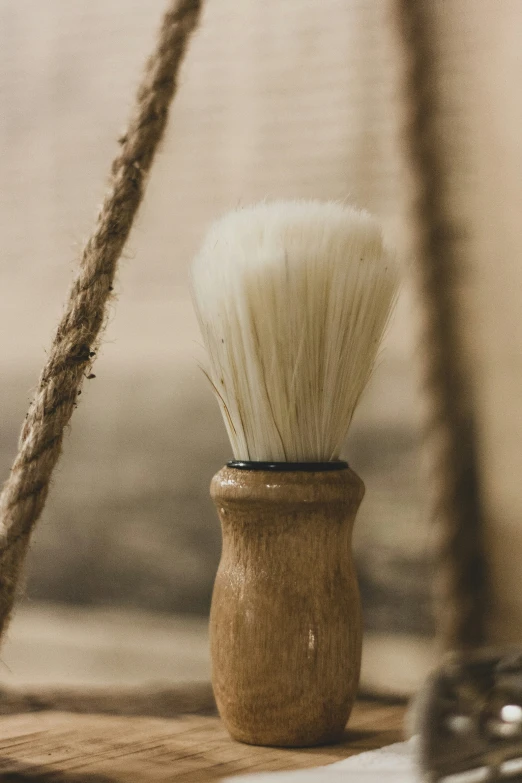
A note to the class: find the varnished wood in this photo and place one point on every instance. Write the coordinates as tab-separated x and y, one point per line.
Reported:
285	621
60	747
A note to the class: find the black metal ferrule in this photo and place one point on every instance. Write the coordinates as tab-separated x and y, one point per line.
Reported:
288	466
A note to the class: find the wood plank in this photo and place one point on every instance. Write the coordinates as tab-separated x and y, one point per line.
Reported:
192	748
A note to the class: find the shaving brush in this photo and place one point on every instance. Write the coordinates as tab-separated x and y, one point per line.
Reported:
292	300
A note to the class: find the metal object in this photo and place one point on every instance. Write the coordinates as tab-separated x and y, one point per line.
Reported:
469	717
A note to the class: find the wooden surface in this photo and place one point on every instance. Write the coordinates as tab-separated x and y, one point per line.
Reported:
286	641
79	746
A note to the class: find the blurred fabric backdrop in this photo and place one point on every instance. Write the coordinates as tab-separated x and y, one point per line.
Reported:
286	100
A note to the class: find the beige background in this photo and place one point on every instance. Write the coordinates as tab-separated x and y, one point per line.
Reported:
294	99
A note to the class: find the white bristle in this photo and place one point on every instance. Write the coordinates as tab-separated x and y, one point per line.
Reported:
292	300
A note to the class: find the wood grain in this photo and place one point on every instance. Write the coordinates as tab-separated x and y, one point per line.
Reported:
285	623
65	747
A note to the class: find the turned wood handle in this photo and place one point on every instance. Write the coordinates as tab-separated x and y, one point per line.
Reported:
285	620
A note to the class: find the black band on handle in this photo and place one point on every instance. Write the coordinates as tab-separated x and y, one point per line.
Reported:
240	464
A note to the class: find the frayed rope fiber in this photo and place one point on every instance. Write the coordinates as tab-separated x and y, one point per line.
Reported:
74	346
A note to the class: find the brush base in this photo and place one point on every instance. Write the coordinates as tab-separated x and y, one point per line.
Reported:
285	619
288	467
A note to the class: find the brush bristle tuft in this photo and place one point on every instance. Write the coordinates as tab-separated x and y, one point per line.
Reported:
292	299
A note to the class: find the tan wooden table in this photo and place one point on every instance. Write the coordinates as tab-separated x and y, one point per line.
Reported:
155	736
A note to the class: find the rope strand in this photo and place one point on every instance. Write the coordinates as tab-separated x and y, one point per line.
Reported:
456	507
74	346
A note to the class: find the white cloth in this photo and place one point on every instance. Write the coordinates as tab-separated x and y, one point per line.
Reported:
392	764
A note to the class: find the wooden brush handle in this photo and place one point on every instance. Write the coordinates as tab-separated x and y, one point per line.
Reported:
285	620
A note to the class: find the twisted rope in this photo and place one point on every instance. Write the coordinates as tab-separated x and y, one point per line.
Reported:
74	346
462	589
